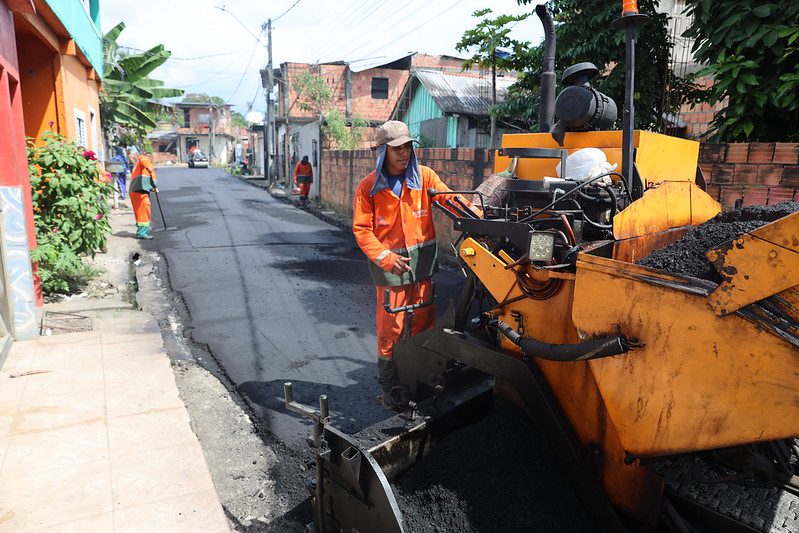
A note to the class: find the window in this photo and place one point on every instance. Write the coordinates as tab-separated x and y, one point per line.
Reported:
186	118
204	118
81	139
380	88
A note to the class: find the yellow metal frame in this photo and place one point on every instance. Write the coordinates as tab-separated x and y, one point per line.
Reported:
658	157
756	265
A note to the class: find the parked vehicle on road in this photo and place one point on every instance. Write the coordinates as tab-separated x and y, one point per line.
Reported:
197	159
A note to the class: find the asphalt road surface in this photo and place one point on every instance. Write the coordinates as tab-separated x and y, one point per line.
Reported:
277	295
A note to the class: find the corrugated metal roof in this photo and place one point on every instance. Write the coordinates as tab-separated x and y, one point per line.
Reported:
376	62
464	95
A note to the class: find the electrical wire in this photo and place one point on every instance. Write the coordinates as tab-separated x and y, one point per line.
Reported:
428	21
286	11
337	23
256	37
385	25
356	24
249	62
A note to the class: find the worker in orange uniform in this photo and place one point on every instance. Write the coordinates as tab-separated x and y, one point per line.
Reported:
303	177
393	225
142	182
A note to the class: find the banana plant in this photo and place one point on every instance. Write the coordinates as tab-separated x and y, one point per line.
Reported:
130	98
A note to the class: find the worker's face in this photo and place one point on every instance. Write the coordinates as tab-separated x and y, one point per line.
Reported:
397	158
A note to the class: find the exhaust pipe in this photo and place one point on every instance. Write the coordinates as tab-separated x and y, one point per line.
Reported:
546	112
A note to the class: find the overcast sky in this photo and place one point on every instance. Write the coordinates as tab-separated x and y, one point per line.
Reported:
215	51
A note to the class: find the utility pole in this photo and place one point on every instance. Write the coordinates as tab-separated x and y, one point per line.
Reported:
493	93
211	134
270	83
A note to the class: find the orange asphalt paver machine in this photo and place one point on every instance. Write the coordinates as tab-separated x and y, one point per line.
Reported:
632	374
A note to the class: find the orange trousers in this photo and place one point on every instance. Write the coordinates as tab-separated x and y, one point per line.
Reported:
389	326
305	188
141	207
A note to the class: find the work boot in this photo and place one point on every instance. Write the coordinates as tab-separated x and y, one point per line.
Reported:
385	401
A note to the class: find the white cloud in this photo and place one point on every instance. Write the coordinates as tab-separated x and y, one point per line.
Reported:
325	30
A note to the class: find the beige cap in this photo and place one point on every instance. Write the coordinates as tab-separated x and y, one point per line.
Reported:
393	133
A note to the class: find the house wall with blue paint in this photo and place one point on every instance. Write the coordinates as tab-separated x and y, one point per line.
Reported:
83	25
423	108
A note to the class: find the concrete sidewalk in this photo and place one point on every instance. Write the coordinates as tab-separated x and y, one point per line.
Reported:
93	434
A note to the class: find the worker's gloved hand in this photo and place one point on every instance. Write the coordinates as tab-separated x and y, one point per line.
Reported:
155	189
401	265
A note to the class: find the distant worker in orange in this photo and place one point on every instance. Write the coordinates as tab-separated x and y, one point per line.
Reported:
142	182
303	177
393	225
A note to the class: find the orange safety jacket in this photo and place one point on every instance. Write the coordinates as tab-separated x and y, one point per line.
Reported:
387	227
143	175
303	173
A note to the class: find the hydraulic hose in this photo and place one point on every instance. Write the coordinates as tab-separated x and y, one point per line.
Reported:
593	349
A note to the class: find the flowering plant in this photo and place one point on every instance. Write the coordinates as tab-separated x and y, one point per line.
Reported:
69	203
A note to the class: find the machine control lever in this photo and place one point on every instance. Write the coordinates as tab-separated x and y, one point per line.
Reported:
406	308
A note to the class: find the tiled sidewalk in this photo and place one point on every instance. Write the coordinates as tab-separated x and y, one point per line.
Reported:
100	440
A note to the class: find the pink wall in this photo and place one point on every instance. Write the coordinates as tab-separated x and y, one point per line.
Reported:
13	157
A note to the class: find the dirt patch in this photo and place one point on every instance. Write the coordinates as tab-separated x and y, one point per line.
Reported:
686	257
492	476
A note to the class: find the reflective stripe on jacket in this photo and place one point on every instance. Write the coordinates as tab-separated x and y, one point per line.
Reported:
143	175
386	226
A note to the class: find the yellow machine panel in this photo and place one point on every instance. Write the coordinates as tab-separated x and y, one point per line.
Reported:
658	157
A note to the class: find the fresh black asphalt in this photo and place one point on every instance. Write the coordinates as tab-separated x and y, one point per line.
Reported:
277	295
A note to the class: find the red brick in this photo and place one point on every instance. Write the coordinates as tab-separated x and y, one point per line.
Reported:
745	175
781	194
722	173
707	170
737	153
712	152
790	176
786	153
729	195
761	152
755	195
769	175
714	191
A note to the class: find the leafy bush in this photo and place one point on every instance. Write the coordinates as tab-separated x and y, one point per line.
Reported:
752	51
70	206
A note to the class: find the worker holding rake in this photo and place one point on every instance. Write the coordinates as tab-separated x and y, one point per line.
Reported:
142	182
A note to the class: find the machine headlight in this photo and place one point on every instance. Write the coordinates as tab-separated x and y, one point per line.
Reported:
542	246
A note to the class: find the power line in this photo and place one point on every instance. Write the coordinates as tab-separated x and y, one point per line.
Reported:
286	11
249	62
337	22
171	57
428	21
387	21
256	37
366	16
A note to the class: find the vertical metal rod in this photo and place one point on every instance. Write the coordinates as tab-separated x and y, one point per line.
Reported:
546	114
288	392
268	114
628	119
324	408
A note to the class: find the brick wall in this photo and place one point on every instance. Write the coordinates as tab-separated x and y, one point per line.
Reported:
698	117
758	173
459	168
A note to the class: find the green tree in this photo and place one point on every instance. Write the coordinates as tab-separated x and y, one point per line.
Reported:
483	41
202	98
752	51
239	120
130	98
315	96
584	33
